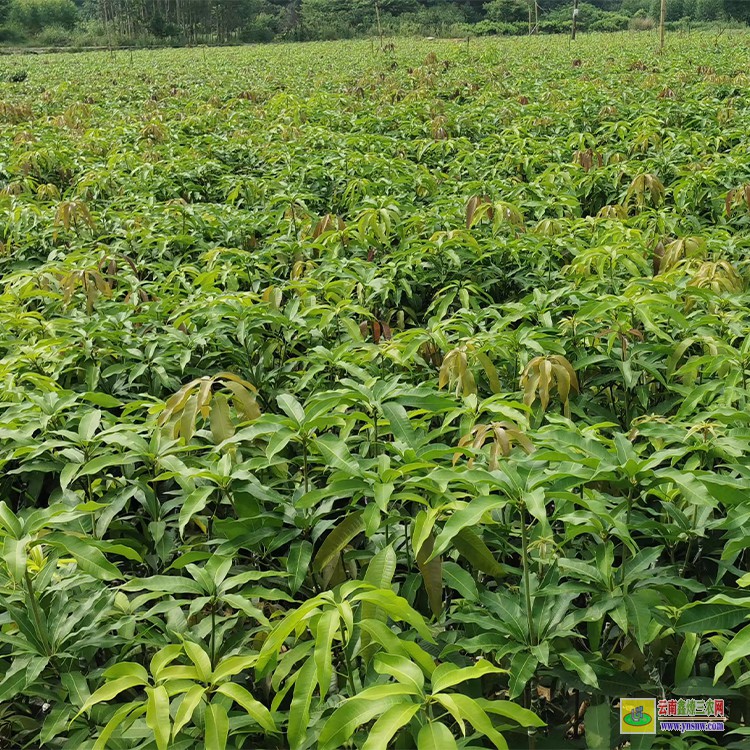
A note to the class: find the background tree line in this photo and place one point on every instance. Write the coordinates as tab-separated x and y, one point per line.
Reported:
178	22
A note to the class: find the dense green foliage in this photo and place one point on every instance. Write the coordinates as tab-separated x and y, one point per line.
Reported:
360	394
179	22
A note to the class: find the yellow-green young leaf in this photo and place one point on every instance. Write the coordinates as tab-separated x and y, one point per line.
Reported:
232	665
510	710
189	703
163	657
388	724
350	715
447	702
402	669
328	624
111	690
397	608
217	727
380	633
14	554
254	707
128	710
446	675
157	715
200	658
126	669
435	736
472	712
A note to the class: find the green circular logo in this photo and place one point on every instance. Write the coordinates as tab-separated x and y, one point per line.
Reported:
643	721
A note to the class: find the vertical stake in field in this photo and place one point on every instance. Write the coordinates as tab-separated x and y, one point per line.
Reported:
662	19
575	20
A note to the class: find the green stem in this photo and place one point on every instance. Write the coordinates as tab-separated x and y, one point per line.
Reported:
213	634
526	575
304	466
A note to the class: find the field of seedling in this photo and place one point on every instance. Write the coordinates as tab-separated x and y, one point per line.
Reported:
375	398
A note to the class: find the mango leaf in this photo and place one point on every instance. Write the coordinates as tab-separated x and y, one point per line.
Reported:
157	715
388	724
337	539
435	736
737	649
217	727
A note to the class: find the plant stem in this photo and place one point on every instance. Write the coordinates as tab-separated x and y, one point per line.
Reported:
213	634
526	575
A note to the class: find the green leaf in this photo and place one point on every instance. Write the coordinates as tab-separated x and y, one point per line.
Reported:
292	408
389	723
686	657
431	570
232	665
402	669
220	419
254	707
194	503
738	648
472	712
703	618
397	608
510	710
273	643
466	517
190	701
458	579
88	558
299	710
446	675
325	629
122	713
398	420
334	452
298	564
522	668
21	675
111	690
351	714
337	539
14	554
157	715
436	736
598	727
89	424
471	546
200	658
217	727
573	661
